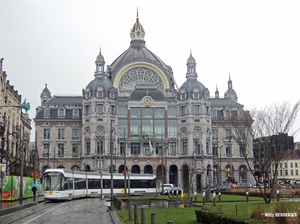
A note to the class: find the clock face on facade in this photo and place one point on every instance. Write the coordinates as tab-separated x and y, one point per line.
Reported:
137	75
147	101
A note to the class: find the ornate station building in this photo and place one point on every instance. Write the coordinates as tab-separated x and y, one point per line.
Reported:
132	114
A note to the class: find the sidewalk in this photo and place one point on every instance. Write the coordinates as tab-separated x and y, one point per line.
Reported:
13	206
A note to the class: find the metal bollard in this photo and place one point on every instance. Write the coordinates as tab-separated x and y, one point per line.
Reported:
214	199
208	195
153	218
143	216
129	210
278	196
204	198
220	196
136	219
247	196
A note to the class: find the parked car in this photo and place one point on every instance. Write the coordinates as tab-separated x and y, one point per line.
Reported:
159	188
166	191
173	190
222	188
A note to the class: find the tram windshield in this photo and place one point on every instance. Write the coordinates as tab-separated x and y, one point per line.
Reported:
53	181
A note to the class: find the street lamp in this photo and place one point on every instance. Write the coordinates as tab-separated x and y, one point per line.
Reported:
98	151
111	164
220	147
230	151
125	170
2	131
162	167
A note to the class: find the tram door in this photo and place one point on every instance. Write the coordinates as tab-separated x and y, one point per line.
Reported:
198	183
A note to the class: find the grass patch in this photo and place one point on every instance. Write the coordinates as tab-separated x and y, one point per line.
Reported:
187	215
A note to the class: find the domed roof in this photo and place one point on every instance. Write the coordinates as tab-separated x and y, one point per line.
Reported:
99	82
230	93
136	51
46	92
191	84
100	57
191	60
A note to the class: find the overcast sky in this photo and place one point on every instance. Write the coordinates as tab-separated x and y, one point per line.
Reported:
56	42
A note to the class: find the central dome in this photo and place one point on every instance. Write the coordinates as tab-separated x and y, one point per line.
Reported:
137	51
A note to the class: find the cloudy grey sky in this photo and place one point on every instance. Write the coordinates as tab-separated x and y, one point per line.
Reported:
55	42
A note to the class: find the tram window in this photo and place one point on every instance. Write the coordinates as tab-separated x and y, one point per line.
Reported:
151	183
134	183
79	183
106	184
97	184
118	183
91	184
143	184
66	184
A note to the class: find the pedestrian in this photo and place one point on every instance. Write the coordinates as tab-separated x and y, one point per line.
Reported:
34	189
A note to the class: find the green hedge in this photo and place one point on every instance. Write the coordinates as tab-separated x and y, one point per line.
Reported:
212	217
255	194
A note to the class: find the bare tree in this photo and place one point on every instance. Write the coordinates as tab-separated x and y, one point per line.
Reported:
262	138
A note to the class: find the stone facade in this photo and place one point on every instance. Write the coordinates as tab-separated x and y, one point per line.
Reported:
15	129
133	115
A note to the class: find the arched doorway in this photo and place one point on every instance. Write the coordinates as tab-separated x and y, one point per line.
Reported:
75	167
148	169
185	178
160	172
173	175
121	169
243	174
135	169
114	169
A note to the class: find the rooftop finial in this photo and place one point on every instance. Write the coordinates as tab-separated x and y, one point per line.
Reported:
137	13
1	63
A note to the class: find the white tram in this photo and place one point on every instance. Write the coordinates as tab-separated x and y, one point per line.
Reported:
63	184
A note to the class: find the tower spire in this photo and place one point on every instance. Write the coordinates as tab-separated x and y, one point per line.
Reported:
217	92
137	31
1	63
